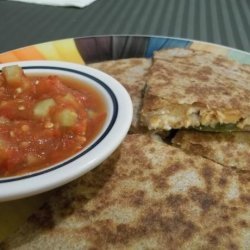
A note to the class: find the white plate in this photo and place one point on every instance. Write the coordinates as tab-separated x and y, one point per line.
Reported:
119	117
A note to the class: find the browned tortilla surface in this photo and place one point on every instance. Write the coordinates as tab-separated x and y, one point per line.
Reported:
131	73
228	149
192	88
148	195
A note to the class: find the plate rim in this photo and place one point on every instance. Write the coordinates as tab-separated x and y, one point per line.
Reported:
131	35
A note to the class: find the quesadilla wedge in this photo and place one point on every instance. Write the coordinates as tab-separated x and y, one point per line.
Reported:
188	88
131	74
147	195
228	149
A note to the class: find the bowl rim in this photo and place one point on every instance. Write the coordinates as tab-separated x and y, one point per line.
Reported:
48	178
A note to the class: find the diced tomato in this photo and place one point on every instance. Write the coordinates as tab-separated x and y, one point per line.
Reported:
35	138
15	109
50	85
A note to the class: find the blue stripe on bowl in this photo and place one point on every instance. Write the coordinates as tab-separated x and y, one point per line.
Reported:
157	43
105	133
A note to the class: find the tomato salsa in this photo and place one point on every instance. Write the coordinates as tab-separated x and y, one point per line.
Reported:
44	120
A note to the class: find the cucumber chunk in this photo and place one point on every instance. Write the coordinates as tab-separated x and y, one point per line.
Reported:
14	76
42	108
67	118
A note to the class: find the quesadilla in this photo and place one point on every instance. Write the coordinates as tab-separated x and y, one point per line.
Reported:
131	74
192	88
228	149
147	195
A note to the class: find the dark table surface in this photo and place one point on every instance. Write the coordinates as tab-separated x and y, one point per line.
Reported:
225	22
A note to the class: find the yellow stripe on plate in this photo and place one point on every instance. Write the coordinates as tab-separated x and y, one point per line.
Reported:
62	50
67	50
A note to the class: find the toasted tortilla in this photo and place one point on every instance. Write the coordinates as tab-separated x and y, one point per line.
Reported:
188	88
131	73
147	195
228	149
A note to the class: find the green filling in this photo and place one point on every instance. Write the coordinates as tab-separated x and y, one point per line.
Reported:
219	128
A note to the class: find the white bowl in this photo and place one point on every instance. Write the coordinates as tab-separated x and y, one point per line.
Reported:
119	117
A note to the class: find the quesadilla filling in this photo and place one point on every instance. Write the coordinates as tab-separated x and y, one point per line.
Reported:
177	116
